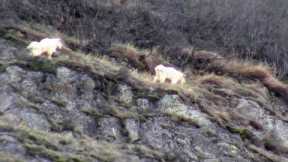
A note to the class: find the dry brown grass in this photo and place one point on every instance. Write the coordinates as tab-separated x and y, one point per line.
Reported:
190	89
144	76
127	50
27	32
144	58
46	31
213	79
130	54
250	70
261	72
140	59
246	68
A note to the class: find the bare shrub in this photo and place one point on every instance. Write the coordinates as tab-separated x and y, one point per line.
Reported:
254	29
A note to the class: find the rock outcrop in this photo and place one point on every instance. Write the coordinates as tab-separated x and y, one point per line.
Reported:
83	107
80	109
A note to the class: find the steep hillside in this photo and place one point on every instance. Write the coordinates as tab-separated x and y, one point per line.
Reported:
83	107
254	29
95	100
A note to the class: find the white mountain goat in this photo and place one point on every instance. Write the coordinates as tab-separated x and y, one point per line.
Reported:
163	73
46	46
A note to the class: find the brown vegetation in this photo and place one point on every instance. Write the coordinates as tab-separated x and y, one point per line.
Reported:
130	53
141	60
207	61
276	86
201	60
252	71
259	72
150	63
144	23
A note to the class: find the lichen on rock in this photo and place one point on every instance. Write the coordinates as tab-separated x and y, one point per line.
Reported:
171	105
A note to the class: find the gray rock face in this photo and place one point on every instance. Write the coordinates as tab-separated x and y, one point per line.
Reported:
6	101
7	52
15	73
109	129
34	120
11	144
125	94
68	115
274	129
143	105
171	105
65	75
132	128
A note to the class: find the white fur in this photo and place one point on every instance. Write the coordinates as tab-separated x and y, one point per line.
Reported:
163	73
35	48
47	45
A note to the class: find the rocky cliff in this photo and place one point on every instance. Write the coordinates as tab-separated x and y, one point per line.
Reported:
81	106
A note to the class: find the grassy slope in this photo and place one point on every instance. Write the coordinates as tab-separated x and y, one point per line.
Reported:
199	89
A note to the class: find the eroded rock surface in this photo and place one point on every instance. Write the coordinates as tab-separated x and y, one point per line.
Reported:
67	113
